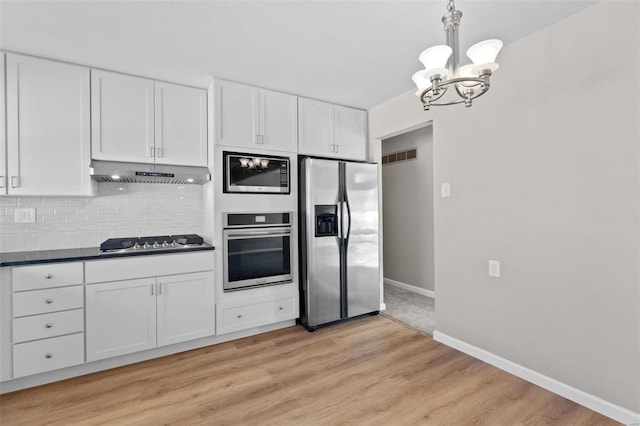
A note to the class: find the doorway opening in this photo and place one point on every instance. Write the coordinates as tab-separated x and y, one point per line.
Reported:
408	228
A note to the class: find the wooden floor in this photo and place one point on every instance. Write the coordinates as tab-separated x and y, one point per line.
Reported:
372	371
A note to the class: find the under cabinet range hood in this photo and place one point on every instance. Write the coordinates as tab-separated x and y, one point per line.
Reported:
115	171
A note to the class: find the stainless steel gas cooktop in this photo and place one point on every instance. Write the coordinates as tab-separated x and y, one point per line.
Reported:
155	243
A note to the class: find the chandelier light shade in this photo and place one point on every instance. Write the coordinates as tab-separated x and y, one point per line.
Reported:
442	73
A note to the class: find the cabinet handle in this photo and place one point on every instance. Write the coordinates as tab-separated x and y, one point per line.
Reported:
49	355
159	152
337	148
48	325
48	301
15	181
262	139
239	315
257	139
48	276
160	288
153	292
152	152
280	308
1	181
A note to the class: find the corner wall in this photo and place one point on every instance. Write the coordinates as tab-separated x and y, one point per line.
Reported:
545	177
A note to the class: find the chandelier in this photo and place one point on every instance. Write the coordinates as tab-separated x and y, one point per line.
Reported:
465	82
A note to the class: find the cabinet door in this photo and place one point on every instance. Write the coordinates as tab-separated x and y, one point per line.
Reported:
350	133
122	117
278	121
315	119
181	125
236	115
121	318
3	132
48	136
186	309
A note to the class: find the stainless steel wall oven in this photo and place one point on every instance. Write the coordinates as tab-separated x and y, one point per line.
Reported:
257	250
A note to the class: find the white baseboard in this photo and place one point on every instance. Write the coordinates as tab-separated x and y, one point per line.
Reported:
620	414
412	288
383	307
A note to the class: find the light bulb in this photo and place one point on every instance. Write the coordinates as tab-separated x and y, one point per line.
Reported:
264	163
421	80
483	54
250	164
244	162
435	57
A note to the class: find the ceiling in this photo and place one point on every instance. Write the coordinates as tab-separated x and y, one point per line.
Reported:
355	53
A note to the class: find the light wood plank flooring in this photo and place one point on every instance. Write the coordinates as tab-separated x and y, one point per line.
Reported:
372	371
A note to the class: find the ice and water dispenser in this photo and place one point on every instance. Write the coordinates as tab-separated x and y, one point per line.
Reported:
326	220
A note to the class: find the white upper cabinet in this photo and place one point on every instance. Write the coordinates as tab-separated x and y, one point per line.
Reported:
122	117
3	131
236	114
249	117
47	128
316	127
328	130
140	120
350	133
278	121
181	125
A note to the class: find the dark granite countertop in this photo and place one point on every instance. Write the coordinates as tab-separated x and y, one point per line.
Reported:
18	258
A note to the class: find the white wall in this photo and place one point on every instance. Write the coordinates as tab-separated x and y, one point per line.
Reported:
119	210
545	177
407	188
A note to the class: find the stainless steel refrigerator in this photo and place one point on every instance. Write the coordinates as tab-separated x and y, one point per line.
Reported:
340	266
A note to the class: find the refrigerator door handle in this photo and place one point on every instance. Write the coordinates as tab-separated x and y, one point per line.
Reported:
348	212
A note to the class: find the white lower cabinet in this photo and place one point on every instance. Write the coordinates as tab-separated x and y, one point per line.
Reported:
185	308
134	315
47	318
256	312
121	318
48	354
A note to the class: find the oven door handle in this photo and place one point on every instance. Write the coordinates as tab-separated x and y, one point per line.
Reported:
246	234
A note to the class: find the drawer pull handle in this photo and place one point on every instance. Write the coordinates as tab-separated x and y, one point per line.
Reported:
48	301
280	308
48	276
239	315
48	325
49	355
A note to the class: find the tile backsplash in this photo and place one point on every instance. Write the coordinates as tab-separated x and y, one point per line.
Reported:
119	210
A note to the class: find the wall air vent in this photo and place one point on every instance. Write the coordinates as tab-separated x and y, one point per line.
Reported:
400	156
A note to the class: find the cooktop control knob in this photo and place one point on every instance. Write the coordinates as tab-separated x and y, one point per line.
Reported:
165	244
145	246
155	244
136	246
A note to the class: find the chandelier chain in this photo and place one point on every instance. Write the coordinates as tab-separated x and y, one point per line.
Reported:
451	6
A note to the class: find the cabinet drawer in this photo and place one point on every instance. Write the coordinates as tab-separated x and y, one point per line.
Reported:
49	354
47	276
260	312
148	266
48	325
50	300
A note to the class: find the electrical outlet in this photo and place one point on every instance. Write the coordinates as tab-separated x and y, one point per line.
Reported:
445	190
26	215
494	268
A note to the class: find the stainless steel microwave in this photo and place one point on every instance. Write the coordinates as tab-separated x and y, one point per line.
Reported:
255	173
